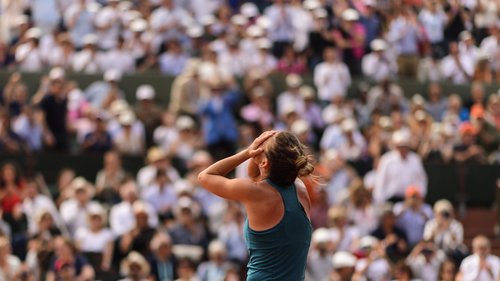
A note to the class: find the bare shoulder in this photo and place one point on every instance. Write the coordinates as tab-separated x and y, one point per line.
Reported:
303	195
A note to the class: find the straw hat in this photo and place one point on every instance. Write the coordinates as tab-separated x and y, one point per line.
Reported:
156	154
134	258
81	184
343	260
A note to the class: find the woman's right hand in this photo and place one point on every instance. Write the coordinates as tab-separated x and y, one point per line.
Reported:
255	148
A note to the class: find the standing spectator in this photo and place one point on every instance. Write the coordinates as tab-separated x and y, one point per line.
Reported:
378	64
10	142
168	21
362	212
35	202
185	90
157	159
433	20
87	60
345	237
107	25
457	68
117	58
404	33
28	55
262	60
189	229
54	104
291	96
63	52
147	111
161	194
467	151
219	125
282	29
398	169
429	67
331	77
481	265
46	14
350	39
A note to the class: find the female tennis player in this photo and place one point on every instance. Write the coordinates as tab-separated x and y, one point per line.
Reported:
278	228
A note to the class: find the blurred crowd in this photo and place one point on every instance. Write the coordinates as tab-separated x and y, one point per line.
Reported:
369	212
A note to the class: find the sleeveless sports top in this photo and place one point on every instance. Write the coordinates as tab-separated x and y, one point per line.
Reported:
280	253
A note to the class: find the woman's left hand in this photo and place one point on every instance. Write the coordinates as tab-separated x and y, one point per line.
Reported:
254	149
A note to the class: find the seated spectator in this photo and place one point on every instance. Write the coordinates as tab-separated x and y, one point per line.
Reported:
446	232
379	64
63	52
291	62
118	58
360	208
481	265
166	133
425	260
147	112
126	141
412	214
229	233
338	176
135	268
139	237
189	229
457	68
186	270
447	270
185	145
161	194
467	150
259	109
10	265
385	97
29	55
372	264
99	140
216	267
345	237
344	264
157	158
35	201
87	60
108	179
482	70
121	216
67	255
101	94
493	110
95	241
393	237
436	105
163	262
402	272
185	90
319	261
74	211
173	60
488	137
429	67
30	126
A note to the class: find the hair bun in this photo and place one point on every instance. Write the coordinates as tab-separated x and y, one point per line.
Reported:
304	165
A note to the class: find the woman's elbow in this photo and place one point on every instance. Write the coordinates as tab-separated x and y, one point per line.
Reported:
202	178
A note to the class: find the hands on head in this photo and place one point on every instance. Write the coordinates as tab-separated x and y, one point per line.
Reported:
256	147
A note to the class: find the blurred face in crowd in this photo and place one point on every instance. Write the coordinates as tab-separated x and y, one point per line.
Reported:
128	191
4	249
31	189
453	48
477	93
434	92
63	249
388	220
81	195
45	222
134	271
112	161
454	103
447	271
414	201
96	222
330	55
141	219
56	87
9	173
481	246
165	250
168	4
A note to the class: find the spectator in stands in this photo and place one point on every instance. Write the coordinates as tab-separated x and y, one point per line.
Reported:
345	237
372	263
405	34
412	214
319	262
282	29
163	262
433	20
139	237
108	179
157	159
338	176
161	194
488	138
425	260
79	18
391	236
457	68
429	66
28	55
30	126
95	241
259	110
87	60
402	272
482	70
121	216
189	229
62	53
217	265
446	232
291	62
185	90
173	60
467	150
54	104
10	265
344	264
385	97
74	211
481	265
10	142
127	141
349	37
379	64
398	169
118	58
147	111
101	94
291	95
436	104
331	77
98	140
447	270
135	267
14	95
493	110
229	232
35	201
67	255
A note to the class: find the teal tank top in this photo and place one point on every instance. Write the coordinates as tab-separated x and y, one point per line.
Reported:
280	253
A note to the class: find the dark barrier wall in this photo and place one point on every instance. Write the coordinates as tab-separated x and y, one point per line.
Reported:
162	84
474	184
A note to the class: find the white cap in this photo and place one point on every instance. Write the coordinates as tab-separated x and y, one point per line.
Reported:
349	125
307	92
320	13
401	138
378	45
194	31
264	43
263	22
208	19
34	33
300	127
464	35
139	25
420	115
184	122
418	99
255	31
127	118
350	15
343	259
321	235
311	4
368	242
90	39
289	108
125	6
57	73
249	10
112	75
385	122
118	106
183	187
145	92
293	80
331	114
216	246
239	19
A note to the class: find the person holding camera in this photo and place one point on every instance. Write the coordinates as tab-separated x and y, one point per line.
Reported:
425	260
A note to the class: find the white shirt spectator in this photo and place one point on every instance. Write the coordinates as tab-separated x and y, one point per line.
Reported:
471	271
290	99
32	206
429	70
426	270
89	241
128	143
491	45
331	79
30	132
165	136
79	20
160	199
29	58
378	269
365	220
282	26
107	21
378	66
46	14
346	239
303	24
117	59
147	174
86	61
167	23
395	174
235	61
122	220
433	24
445	239
455	72
14	266
57	57
263	62
75	215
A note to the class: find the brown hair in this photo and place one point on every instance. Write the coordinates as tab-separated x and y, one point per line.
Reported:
288	159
